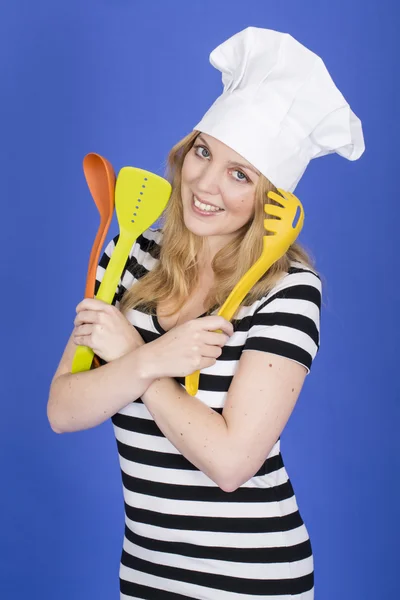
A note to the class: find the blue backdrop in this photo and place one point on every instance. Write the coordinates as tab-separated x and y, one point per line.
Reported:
127	79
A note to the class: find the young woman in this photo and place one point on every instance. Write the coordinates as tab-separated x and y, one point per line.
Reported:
210	510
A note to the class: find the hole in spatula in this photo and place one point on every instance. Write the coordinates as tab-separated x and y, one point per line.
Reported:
296	217
139	200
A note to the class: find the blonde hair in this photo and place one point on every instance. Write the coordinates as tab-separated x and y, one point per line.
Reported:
175	276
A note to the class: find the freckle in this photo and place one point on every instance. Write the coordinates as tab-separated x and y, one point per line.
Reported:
189	423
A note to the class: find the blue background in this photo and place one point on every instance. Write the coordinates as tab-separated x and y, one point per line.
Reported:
127	79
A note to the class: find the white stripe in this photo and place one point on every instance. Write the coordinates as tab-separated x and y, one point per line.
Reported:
146	442
294	306
193	591
247	570
137	410
292	279
285	334
138	318
275	539
187	477
193	508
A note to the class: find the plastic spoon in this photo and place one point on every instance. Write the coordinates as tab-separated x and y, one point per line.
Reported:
100	178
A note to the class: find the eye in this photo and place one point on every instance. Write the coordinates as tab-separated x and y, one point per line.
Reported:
203	147
244	175
245	178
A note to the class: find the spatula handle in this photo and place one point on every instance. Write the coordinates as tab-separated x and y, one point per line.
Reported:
82	360
83	356
113	272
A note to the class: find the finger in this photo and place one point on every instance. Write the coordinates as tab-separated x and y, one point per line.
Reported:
211	351
216	339
218	322
87	316
92	304
83	330
207	362
83	340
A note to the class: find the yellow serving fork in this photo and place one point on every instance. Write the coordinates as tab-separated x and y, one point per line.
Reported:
274	247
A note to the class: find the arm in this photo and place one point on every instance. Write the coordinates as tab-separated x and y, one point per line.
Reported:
280	347
83	400
230	448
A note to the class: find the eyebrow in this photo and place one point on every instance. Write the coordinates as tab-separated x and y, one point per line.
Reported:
233	162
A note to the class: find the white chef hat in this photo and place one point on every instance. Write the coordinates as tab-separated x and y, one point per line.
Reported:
279	108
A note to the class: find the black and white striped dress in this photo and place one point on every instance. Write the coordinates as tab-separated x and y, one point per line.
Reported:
184	537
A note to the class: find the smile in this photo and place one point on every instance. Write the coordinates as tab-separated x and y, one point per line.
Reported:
204	209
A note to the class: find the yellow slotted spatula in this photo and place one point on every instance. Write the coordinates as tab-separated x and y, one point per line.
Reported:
140	198
274	247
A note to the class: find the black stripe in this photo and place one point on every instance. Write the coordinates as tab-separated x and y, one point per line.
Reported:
296	292
304	269
221	524
193	493
244	555
135	269
144	426
295	321
143	591
279	347
164	460
257	587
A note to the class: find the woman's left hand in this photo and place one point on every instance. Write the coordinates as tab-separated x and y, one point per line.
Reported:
104	329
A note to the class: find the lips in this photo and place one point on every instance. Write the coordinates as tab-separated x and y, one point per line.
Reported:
209	203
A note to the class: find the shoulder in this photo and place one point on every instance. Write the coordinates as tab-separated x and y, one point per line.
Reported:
299	283
305	279
286	321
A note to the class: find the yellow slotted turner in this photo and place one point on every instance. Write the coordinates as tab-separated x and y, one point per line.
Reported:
140	198
274	247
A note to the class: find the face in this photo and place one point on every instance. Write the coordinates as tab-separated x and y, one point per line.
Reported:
217	176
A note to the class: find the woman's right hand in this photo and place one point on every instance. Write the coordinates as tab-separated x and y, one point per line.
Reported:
186	348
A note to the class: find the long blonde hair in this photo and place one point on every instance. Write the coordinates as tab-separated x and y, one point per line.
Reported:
175	276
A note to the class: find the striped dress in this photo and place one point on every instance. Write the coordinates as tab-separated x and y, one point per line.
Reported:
185	537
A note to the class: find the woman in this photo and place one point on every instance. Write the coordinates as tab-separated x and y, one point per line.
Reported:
210	509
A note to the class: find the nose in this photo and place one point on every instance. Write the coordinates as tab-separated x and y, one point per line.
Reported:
208	181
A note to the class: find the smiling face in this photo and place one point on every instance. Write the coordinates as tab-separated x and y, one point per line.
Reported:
217	176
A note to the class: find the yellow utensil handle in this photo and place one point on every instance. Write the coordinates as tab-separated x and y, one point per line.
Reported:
236	296
192	383
82	360
83	356
114	269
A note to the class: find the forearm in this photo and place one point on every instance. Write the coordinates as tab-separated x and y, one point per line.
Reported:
197	431
83	400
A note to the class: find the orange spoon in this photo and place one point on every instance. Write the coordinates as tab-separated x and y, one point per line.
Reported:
100	177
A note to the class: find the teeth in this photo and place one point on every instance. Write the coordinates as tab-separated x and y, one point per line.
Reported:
205	207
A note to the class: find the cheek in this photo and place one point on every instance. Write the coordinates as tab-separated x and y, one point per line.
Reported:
239	201
189	169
